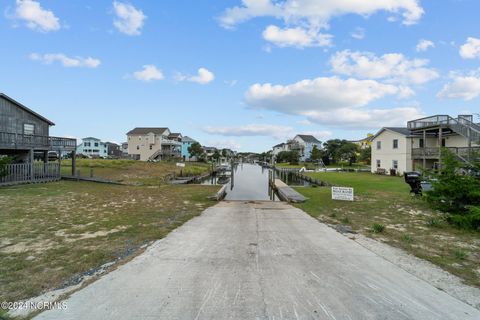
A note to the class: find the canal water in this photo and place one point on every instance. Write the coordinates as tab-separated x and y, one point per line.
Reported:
250	182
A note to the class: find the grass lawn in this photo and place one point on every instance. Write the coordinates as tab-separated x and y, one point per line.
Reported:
51	232
134	172
312	166
407	221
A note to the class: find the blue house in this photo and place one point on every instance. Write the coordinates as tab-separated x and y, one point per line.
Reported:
93	148
186	143
303	144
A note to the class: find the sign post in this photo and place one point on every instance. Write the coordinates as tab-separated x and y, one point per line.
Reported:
341	193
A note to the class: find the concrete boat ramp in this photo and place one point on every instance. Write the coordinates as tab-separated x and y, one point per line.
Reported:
260	260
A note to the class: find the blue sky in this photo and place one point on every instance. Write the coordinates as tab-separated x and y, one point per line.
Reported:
240	74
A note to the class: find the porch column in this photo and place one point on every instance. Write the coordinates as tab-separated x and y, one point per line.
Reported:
59	163
74	163
31	159
424	146
439	147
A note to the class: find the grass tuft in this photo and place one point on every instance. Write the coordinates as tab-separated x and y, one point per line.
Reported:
378	228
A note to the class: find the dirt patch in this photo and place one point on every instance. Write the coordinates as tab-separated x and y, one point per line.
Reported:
82	236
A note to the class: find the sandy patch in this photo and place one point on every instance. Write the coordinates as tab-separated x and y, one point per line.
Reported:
86	235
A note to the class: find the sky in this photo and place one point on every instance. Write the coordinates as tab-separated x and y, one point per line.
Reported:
241	74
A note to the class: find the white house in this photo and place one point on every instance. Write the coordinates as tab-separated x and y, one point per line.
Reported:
279	148
419	144
93	147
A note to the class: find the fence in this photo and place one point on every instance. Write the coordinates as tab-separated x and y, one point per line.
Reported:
29	173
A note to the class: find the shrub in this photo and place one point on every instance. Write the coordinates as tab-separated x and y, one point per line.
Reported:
3	165
456	193
378	228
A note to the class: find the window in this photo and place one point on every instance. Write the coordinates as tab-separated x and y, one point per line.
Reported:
96	144
421	143
395	164
395	143
443	143
151	147
379	145
28	129
138	147
379	163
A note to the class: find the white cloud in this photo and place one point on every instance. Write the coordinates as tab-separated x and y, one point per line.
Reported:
366	118
461	87
204	76
296	37
251	130
423	45
129	19
316	13
471	49
358	33
69	62
393	67
333	101
221	144
35	16
149	73
327	93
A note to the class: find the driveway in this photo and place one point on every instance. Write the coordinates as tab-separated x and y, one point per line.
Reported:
260	260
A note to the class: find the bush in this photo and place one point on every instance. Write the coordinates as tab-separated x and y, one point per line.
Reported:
456	193
292	157
4	161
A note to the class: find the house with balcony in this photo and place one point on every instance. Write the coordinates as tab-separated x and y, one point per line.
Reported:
186	143
25	136
418	145
303	144
153	144
93	148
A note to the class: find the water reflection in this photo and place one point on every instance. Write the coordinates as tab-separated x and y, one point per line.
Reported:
249	182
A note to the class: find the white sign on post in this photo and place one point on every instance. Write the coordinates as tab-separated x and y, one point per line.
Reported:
340	193
179	164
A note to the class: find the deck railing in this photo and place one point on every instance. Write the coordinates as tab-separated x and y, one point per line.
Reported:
463	152
19	141
29	173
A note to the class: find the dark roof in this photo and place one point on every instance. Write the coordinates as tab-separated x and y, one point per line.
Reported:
279	145
91	138
147	131
175	134
401	130
26	109
188	139
308	138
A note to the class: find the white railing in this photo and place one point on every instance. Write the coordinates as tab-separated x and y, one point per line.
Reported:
29	173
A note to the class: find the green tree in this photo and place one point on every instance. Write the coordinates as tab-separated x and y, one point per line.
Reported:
224	152
195	150
456	190
291	157
348	152
216	155
316	153
365	155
